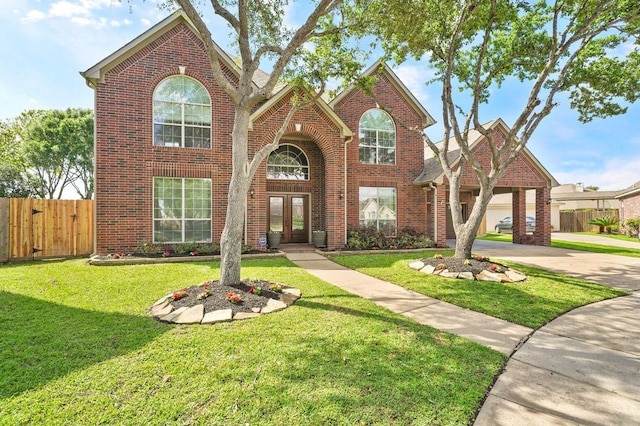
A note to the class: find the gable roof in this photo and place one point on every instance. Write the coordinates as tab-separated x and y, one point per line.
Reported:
381	67
433	172
345	131
630	191
96	73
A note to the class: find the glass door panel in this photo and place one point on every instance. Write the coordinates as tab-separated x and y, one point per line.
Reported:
276	214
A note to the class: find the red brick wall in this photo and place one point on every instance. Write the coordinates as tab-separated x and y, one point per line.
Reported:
520	174
126	159
411	201
631	207
319	137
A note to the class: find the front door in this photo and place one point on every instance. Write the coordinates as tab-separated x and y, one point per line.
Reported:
289	214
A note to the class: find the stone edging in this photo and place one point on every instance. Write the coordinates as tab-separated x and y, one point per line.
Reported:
509	275
164	311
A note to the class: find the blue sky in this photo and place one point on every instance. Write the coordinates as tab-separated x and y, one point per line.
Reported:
46	43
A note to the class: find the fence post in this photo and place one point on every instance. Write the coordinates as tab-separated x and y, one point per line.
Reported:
4	229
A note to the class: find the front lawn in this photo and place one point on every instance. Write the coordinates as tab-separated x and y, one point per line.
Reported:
574	245
78	347
533	303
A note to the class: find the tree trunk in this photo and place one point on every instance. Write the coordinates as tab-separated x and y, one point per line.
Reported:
466	232
231	238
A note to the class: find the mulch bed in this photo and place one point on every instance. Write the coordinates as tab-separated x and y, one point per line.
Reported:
218	298
458	265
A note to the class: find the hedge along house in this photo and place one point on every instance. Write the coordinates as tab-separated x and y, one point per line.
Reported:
525	173
163	148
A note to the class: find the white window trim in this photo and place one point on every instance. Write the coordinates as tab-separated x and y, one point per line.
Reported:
182	123
377	145
182	213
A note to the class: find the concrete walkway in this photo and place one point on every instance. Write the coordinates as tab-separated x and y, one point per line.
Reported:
582	368
489	331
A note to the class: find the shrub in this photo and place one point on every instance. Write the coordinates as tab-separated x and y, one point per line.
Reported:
186	248
147	248
369	238
604	223
208	248
409	238
366	238
632	226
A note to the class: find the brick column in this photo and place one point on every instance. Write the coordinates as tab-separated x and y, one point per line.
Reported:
543	217
440	216
518	216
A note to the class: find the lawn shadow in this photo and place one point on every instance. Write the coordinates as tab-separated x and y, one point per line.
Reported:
42	341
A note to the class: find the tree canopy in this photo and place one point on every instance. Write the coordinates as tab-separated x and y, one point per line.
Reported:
584	49
46	151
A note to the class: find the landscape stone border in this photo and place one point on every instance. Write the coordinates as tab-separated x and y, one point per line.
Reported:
164	311
508	275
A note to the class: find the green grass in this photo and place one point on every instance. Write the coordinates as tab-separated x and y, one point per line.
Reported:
543	297
572	245
78	347
621	237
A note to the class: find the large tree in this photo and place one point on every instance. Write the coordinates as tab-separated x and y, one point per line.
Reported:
306	56
53	149
584	49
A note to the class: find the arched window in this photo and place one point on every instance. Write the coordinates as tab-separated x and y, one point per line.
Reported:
377	137
181	113
288	162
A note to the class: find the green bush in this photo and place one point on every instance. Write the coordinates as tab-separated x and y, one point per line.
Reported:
366	238
632	226
604	223
369	238
147	248
409	238
186	248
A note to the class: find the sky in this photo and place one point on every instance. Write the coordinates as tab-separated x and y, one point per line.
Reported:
46	43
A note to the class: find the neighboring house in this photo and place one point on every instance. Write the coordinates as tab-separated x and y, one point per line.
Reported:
526	173
629	202
574	196
163	149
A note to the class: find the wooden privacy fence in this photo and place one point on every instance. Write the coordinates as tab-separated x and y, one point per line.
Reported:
33	228
578	220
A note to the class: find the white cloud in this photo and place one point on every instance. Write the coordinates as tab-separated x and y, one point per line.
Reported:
610	175
65	9
415	78
34	16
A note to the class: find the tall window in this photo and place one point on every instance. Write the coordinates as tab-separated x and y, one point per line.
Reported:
377	136
181	113
288	162
378	209
181	210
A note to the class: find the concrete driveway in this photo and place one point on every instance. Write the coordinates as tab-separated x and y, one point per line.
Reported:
584	367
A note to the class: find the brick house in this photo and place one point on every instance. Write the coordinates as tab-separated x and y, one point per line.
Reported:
525	173
163	147
629	202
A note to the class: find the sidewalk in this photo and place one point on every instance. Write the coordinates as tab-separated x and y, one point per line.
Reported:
489	331
582	368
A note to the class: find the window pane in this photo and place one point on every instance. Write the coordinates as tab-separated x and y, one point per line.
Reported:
166	135
177	202
378	209
288	162
377	138
197	137
181	108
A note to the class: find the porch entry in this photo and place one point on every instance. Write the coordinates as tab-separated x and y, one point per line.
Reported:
289	214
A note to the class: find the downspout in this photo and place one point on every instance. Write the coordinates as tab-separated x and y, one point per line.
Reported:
344	199
435	211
